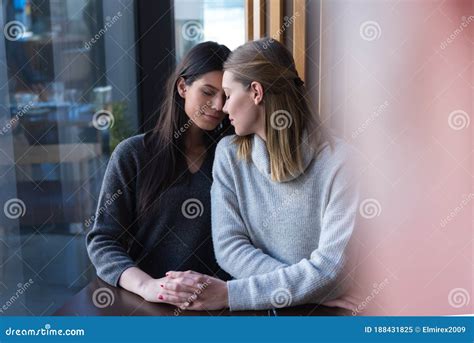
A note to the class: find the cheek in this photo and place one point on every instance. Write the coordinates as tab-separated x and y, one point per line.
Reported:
193	103
238	106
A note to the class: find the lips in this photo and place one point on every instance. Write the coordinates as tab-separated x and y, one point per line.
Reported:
213	116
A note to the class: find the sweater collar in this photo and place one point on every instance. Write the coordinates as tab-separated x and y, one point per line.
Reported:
261	158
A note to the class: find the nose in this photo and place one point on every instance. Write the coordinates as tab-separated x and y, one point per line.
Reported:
218	103
224	109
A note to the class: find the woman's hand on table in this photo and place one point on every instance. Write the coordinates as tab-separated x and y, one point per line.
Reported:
194	291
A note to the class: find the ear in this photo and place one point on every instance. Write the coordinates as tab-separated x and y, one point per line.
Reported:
256	90
181	87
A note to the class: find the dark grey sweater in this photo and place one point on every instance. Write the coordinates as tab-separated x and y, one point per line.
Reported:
178	237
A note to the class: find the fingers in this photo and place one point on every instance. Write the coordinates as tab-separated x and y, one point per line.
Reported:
197	279
173	298
192	306
189	273
180	285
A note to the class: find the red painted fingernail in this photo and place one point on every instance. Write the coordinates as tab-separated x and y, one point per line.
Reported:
161	286
160	297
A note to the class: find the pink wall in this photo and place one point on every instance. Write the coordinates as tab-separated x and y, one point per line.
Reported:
396	88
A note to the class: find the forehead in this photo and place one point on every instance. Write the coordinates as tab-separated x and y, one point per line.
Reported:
213	78
227	79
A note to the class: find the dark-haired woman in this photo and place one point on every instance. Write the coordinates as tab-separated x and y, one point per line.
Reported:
153	212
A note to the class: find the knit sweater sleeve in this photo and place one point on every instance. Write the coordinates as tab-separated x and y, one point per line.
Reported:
114	216
234	251
314	279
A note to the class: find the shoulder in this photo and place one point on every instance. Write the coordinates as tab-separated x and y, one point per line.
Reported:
226	148
340	160
129	152
130	145
338	153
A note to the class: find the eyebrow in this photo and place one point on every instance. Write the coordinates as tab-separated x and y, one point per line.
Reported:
210	86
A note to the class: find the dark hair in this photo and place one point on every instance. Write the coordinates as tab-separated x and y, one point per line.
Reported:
165	141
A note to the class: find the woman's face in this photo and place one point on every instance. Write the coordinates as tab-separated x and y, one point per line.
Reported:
203	100
244	112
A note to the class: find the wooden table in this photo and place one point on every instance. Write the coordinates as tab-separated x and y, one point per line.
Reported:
128	304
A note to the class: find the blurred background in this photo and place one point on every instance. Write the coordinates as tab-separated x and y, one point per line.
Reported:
394	78
74	83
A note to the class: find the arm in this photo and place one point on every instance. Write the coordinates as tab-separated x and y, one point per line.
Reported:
234	251
313	279
113	222
113	219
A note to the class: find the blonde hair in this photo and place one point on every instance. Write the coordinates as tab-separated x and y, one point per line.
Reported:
287	110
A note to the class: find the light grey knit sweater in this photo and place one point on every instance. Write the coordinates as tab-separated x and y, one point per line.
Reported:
285	243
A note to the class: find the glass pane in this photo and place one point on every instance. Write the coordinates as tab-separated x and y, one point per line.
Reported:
222	21
68	96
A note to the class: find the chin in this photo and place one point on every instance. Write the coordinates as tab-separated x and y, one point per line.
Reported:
241	132
207	126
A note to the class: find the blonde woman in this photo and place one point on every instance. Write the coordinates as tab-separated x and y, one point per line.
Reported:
284	198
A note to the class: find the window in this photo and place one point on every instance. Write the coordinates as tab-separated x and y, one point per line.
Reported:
68	96
208	20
